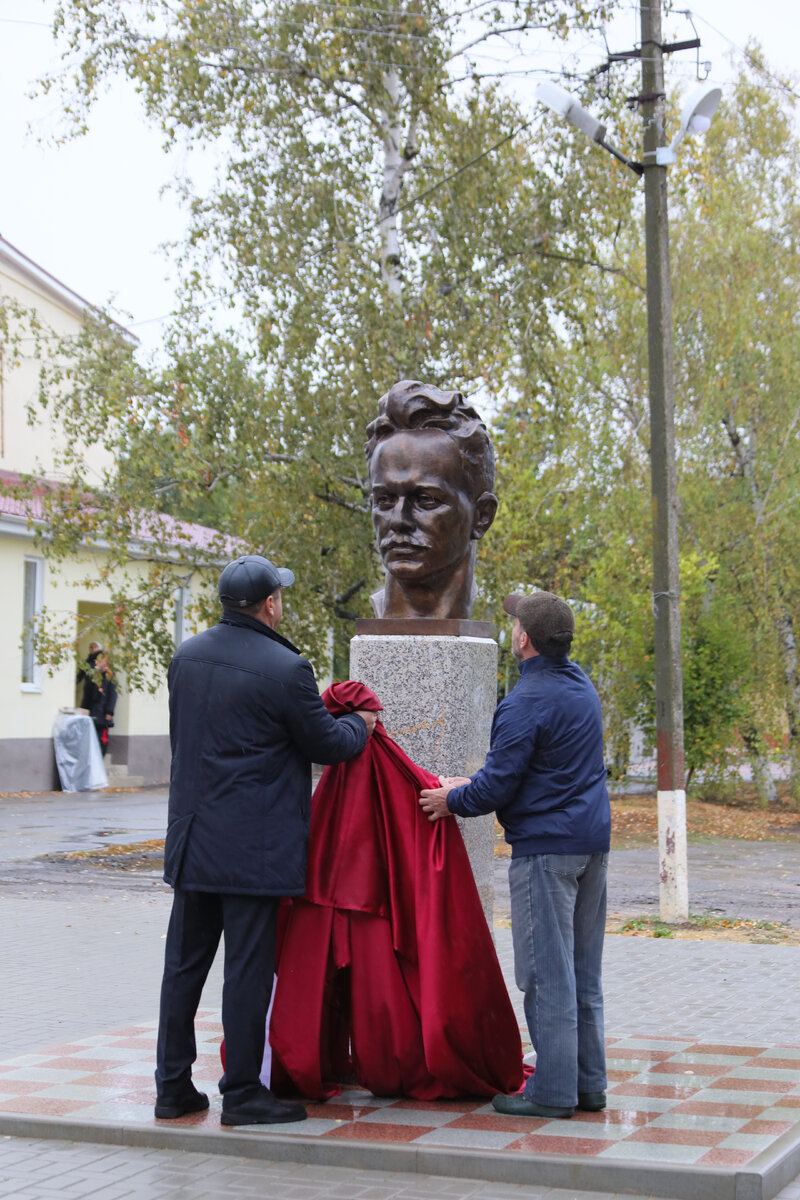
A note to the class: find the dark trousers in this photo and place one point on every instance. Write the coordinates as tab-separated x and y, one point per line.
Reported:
197	921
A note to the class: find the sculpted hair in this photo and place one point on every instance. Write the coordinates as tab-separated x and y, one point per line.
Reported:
410	405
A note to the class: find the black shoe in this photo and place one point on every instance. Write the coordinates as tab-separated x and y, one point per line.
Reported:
188	1101
591	1101
520	1106
263	1109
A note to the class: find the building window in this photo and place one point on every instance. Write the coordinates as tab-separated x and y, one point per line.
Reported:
181	603
33	589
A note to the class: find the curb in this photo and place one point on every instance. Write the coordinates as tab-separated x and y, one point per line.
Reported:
763	1179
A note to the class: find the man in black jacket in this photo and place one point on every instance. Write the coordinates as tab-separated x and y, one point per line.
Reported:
246	722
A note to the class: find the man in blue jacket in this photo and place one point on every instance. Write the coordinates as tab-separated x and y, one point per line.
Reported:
545	777
246	722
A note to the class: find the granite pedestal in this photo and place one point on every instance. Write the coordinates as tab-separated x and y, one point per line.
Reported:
439	694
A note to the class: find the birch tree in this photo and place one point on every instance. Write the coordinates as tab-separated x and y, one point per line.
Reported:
383	208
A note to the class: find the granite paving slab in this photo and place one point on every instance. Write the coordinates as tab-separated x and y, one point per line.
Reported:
719	1113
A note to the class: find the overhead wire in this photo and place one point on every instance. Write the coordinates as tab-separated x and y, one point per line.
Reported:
372	10
746	54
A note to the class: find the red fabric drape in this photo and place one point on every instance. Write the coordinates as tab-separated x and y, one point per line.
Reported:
387	972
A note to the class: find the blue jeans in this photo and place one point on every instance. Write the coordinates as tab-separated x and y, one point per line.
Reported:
558	916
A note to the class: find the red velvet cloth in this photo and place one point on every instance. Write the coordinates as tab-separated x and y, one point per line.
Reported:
387	973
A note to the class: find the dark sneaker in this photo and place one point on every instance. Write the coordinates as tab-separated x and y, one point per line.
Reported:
520	1106
188	1101
263	1109
591	1101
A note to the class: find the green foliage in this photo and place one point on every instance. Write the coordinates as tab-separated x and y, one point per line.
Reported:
377	215
714	698
574	453
737	274
379	212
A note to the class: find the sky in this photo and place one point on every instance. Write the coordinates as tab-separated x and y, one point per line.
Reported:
95	212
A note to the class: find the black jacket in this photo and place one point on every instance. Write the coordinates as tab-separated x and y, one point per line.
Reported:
99	699
246	722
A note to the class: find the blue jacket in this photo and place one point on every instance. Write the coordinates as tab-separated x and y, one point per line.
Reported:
246	722
544	774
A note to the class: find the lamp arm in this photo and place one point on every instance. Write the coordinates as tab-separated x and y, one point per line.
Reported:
636	167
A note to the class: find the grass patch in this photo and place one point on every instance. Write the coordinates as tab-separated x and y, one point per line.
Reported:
707	927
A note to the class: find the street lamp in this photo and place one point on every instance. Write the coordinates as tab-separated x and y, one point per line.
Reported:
560	101
695	118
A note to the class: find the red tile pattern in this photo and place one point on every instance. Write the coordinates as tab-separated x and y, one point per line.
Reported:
331	1111
766	1128
707	1108
670	1068
542	1144
379	1133
497	1123
640	1055
725	1158
46	1106
110	1077
688	1137
658	1091
455	1106
755	1085
744	1051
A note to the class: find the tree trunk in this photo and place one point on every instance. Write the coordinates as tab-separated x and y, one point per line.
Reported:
396	160
744	452
392	182
760	766
788	645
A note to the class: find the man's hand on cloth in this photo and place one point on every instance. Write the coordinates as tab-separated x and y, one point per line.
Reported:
433	802
369	718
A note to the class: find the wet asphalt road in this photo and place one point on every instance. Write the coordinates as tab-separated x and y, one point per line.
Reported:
752	880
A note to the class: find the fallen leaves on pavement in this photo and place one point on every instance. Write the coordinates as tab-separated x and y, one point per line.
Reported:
635	819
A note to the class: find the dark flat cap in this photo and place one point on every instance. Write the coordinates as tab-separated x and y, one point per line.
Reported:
250	579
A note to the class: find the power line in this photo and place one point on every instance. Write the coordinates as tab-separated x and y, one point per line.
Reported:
372	10
751	59
17	21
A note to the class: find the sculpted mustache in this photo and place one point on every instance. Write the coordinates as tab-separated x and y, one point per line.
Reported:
391	543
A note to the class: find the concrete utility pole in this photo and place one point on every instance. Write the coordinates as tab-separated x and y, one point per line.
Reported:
673	875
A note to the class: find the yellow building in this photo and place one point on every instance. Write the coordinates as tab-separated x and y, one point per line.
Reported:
31	697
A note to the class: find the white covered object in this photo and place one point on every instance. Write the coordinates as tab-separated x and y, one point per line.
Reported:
78	758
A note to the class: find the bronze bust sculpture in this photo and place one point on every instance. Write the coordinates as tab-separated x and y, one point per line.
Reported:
431	470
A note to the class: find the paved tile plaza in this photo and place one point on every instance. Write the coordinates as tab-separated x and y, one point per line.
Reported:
704	1056
670	1101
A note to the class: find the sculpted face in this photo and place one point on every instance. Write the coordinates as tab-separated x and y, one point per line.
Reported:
422	507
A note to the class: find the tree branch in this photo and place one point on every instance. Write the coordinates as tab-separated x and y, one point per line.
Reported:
329	498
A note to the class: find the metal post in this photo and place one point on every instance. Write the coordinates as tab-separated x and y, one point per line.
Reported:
673	878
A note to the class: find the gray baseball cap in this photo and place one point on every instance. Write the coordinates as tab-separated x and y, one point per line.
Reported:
547	619
251	578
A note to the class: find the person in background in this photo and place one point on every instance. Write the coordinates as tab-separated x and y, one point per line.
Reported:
85	672
99	693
